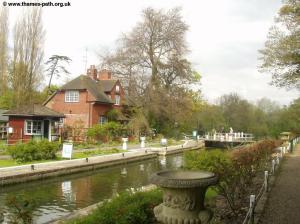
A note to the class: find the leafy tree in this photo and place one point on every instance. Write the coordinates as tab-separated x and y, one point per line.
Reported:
281	55
211	117
56	68
237	112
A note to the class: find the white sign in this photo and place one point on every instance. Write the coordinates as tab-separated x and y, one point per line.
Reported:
143	142
125	140
67	150
10	130
163	141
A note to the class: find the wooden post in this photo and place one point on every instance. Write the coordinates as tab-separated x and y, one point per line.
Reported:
266	181
277	159
252	206
273	166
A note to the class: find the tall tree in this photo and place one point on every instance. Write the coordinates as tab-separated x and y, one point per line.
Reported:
28	53
151	61
281	55
3	49
56	67
155	48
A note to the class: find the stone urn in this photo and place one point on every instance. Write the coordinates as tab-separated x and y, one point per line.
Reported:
183	196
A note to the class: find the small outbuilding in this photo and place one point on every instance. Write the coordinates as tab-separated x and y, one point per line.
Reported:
33	122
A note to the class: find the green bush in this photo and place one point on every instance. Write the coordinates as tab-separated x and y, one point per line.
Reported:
235	168
126	208
108	131
33	150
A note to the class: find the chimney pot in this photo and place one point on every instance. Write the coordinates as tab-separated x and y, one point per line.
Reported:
92	72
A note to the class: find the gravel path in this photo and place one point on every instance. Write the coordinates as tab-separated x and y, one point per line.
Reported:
283	205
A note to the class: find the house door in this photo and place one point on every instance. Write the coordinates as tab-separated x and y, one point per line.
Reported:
46	129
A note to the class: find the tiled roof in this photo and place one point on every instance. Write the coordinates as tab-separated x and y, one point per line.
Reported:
84	82
33	110
107	85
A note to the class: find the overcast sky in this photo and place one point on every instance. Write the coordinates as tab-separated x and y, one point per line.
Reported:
224	37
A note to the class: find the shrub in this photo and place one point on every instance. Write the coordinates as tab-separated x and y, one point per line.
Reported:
20	209
33	150
235	168
109	130
126	208
220	163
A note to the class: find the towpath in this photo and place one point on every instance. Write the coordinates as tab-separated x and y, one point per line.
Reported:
283	205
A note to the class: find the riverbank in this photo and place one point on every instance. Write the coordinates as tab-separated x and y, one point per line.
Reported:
25	173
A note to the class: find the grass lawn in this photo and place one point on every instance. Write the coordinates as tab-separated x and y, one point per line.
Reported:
11	162
75	155
96	152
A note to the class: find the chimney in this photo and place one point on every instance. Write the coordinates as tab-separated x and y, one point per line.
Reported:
104	75
92	72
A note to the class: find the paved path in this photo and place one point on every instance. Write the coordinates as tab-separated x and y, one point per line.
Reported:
283	205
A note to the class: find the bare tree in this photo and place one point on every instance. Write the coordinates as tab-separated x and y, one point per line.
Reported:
27	55
56	68
3	49
156	47
151	62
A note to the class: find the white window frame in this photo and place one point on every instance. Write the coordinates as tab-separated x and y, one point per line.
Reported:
117	88
117	99
29	131
102	119
72	96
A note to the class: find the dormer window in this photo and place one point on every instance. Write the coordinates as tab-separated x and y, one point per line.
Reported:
117	88
71	96
117	98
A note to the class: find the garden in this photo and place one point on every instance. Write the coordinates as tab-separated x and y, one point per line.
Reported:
240	174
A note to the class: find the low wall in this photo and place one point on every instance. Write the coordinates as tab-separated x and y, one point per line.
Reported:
81	167
20	174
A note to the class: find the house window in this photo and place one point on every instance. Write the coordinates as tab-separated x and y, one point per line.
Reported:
72	96
33	127
102	120
117	98
117	88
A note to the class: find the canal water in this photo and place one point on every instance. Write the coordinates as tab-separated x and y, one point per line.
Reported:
57	197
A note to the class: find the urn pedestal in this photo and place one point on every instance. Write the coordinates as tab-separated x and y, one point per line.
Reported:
183	196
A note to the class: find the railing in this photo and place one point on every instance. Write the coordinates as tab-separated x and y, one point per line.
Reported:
230	137
254	199
293	142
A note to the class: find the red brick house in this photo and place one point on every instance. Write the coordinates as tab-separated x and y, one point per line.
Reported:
87	98
32	122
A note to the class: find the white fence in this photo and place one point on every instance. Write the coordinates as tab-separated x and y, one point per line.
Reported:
254	199
229	137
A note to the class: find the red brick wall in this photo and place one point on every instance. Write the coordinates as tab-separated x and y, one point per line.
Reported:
18	130
121	93
83	112
77	112
98	110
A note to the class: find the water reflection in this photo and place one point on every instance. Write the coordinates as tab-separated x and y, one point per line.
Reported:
58	197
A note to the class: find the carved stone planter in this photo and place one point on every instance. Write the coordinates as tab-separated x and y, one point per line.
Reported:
183	196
